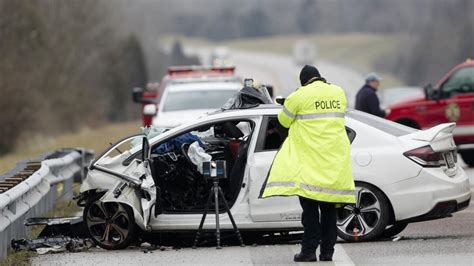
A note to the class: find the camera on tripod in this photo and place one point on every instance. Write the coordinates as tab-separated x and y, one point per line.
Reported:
214	170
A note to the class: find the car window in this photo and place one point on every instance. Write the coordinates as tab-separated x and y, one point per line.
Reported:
199	99
273	134
462	81
213	136
394	95
384	125
121	149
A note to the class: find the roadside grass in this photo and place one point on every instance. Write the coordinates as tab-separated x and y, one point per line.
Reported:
360	51
18	258
96	139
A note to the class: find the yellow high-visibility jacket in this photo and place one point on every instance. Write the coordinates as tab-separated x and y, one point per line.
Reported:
314	161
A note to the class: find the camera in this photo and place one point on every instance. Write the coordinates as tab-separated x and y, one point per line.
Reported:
214	169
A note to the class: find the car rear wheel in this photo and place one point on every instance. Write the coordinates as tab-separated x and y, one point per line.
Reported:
468	157
393	230
111	225
367	219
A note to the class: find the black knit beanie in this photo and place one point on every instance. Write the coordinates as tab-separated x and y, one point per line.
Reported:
308	72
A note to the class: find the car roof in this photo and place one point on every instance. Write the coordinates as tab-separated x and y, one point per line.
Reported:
203	78
200	73
204	86
467	63
262	109
353	116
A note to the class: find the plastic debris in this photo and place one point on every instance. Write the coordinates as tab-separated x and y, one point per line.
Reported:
397	238
56	244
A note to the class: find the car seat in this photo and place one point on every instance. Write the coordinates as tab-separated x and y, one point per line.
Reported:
238	170
238	149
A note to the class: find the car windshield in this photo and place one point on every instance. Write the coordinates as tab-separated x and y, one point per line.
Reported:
395	95
384	125
461	82
200	99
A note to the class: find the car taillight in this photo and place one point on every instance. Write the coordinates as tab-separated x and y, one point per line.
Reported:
147	119
426	157
149	111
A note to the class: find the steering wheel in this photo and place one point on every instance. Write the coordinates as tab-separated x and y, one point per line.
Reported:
466	88
184	152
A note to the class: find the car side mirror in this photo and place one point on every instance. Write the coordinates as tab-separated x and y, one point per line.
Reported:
145	149
150	109
280	100
137	94
430	93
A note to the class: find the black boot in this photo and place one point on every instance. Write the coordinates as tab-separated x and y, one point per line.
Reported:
325	257
305	257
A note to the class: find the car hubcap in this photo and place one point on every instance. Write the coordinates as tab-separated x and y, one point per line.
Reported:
108	222
360	219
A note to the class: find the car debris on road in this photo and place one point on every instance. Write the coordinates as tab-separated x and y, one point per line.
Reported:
56	244
60	234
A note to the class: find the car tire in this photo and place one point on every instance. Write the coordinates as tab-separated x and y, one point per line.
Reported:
110	225
393	230
367	219
468	157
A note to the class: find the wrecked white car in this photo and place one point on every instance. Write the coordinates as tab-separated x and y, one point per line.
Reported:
402	175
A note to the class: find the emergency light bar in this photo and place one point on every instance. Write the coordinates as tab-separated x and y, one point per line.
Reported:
177	70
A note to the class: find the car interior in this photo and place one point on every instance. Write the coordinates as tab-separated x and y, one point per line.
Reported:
273	134
182	187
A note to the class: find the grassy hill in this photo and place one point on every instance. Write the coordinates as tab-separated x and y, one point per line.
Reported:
91	138
360	51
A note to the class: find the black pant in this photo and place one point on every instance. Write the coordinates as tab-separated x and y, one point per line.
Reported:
316	231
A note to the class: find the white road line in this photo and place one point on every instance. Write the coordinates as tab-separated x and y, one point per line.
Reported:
340	256
297	249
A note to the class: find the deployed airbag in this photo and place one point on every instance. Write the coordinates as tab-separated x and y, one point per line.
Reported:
197	155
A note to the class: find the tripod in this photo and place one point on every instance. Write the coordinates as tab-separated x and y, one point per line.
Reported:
217	193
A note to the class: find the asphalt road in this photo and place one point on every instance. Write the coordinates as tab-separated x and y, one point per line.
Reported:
281	71
447	241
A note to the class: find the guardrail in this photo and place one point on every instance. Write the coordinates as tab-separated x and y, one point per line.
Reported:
31	189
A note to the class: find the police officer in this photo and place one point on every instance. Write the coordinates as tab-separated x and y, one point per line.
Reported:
367	99
314	161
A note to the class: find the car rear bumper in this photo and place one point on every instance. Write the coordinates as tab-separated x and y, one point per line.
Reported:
440	210
431	194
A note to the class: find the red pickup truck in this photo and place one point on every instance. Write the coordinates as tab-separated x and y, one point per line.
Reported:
450	100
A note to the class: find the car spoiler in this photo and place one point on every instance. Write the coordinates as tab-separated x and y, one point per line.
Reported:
430	134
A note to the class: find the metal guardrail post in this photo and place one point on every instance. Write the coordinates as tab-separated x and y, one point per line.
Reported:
83	159
32	190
